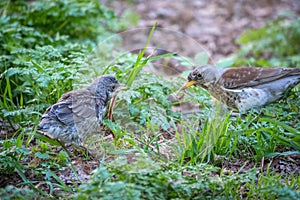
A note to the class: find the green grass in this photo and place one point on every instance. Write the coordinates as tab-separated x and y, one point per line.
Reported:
146	179
271	45
158	153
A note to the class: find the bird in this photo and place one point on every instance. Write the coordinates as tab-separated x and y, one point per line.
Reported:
244	88
79	113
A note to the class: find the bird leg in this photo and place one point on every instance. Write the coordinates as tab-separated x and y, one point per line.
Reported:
85	152
65	148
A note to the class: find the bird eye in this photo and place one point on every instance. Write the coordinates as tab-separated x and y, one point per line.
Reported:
191	76
196	75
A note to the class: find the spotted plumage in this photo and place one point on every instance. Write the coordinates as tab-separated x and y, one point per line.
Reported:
79	113
245	88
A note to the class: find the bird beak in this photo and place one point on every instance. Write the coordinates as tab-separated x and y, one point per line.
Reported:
186	85
189	84
121	87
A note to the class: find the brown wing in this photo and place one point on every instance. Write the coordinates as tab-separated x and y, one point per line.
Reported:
235	78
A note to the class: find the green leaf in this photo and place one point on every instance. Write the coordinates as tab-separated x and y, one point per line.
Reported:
12	71
201	58
225	62
42	155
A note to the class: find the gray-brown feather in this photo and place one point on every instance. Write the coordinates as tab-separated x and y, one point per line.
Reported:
79	113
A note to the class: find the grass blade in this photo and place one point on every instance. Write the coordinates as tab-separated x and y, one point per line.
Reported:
278	123
138	65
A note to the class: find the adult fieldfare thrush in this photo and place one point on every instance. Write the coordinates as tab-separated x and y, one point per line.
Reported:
244	88
79	113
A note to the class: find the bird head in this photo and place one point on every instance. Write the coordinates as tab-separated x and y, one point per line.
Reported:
107	86
202	76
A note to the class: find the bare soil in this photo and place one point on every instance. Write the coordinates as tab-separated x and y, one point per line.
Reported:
187	26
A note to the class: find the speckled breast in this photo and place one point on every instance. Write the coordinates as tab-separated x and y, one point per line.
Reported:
229	98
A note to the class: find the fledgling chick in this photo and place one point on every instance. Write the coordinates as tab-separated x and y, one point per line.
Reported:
79	113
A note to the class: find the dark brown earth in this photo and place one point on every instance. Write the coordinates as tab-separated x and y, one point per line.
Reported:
188	26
